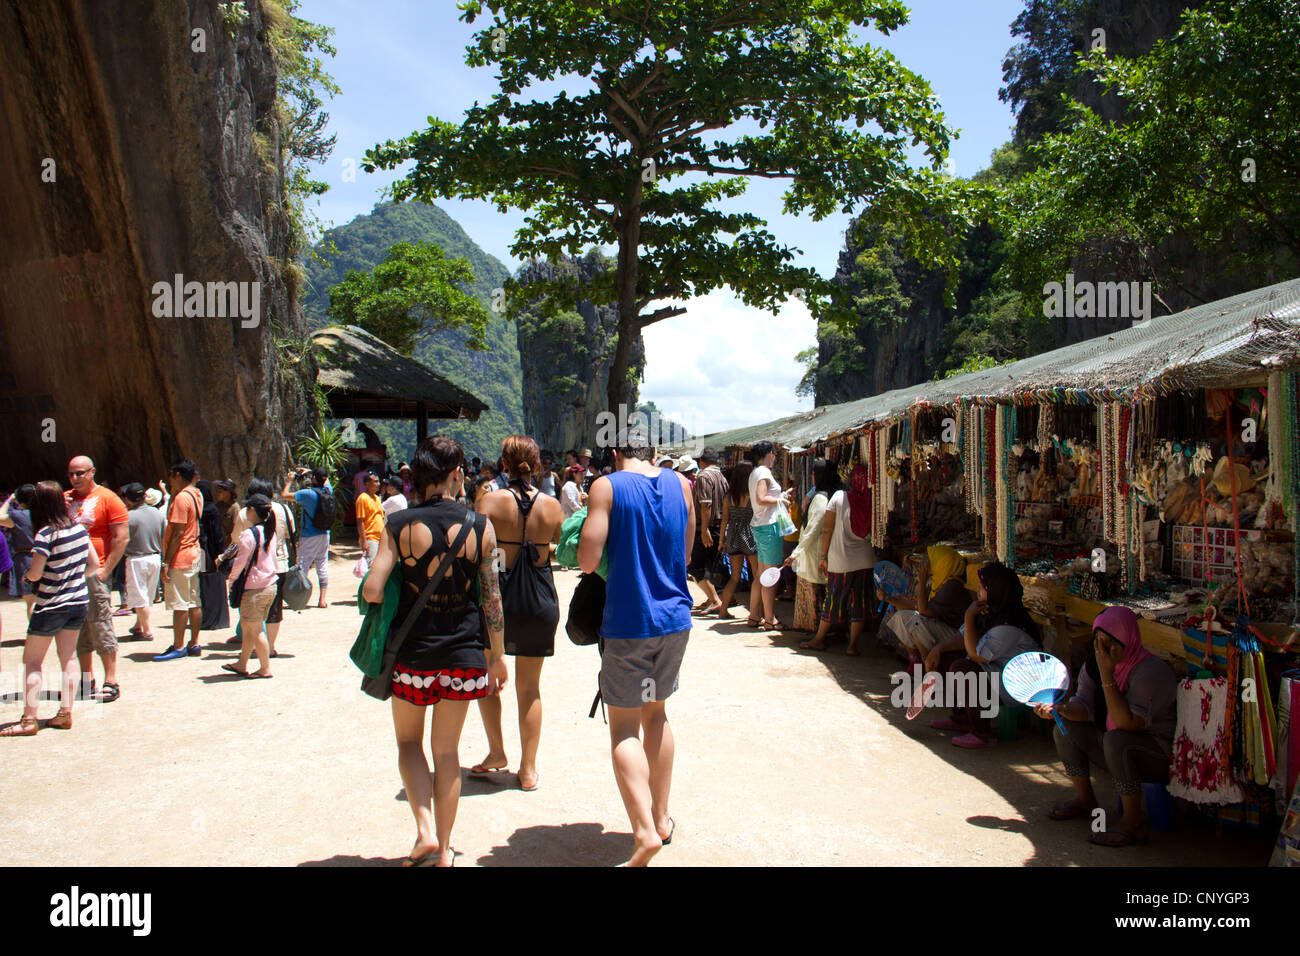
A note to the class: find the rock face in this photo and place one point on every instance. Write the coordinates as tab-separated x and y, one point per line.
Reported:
566	360
157	174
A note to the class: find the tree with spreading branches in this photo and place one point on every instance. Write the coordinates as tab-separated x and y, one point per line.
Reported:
668	108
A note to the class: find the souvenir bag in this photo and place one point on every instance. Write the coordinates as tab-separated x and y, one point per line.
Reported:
380	685
297	587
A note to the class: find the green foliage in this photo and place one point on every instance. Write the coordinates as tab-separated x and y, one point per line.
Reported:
299	47
973	363
1199	109
493	375
681	85
414	291
807	387
322	447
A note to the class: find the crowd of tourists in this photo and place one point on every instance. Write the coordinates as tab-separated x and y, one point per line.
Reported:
189	542
457	563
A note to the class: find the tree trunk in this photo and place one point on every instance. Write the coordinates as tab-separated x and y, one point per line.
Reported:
629	244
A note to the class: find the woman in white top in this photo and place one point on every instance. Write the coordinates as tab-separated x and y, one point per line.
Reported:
394	499
767	499
572	497
846	559
807	553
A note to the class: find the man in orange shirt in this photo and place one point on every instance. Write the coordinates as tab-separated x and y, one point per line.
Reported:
180	562
105	519
370	517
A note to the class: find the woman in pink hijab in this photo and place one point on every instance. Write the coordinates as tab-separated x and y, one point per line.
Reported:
1122	716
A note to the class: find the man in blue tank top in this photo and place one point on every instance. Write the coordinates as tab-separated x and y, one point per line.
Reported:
643	514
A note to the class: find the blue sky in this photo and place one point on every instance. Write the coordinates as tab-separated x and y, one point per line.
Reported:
401	61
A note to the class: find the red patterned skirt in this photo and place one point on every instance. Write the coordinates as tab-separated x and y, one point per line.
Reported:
425	688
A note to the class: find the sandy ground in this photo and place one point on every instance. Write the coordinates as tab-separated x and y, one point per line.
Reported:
783	757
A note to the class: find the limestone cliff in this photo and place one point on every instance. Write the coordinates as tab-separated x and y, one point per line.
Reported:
566	360
158	171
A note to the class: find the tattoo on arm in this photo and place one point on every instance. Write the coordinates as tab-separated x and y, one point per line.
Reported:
491	594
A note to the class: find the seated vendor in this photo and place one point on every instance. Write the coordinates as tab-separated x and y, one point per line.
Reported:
997	627
1122	715
940	605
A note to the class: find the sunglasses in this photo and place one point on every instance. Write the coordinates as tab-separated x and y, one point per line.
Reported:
78	474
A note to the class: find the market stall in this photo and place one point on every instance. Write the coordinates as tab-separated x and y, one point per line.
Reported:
1156	467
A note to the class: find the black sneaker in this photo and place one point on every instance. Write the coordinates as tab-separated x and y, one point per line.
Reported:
194	650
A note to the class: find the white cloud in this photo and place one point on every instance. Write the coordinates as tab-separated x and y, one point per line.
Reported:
726	365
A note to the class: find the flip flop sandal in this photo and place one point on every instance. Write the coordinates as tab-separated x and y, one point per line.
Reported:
1119	837
255	675
810	646
480	771
428	859
533	787
751	622
234	670
672	828
110	693
1068	811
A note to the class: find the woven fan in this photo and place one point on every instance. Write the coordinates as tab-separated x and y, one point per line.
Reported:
1037	678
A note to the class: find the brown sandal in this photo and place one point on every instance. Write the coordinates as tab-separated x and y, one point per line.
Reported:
26	727
62	720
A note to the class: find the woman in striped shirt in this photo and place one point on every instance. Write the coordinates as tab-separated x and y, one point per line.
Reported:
61	559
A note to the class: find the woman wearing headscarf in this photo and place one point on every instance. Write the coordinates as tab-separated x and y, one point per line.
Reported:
846	559
938	610
213	540
1123	716
807	553
997	627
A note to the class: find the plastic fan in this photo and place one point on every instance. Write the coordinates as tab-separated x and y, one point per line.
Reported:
891	579
1037	678
769	577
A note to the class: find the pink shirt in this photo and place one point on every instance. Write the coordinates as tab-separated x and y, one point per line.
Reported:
262	572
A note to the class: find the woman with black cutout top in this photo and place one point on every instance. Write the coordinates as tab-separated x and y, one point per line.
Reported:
443	660
530	528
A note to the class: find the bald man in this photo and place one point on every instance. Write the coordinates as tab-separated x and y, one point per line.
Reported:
104	517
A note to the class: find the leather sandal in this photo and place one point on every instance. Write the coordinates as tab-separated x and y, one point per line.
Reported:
26	727
61	721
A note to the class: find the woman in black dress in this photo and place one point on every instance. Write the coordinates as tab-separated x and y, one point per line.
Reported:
529	525
212	583
442	663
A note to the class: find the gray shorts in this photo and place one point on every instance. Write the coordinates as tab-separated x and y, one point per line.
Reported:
638	671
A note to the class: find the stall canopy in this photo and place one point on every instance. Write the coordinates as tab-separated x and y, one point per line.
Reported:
1233	342
366	378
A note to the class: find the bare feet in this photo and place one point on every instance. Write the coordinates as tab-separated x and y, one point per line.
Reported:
644	852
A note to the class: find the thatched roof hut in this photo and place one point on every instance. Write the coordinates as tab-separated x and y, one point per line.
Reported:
365	377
